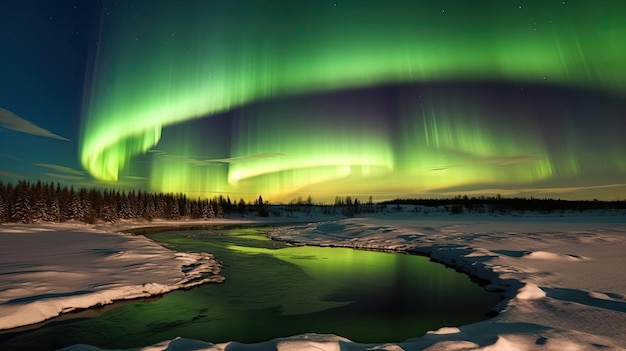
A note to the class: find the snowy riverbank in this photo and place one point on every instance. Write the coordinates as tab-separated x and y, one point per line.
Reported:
50	269
563	275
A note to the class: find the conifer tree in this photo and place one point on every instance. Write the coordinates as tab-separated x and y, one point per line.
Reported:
38	210
76	208
53	213
109	213
220	211
241	206
150	211
4	212
21	208
195	210
174	210
126	211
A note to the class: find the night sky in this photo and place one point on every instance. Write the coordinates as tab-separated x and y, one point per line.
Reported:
322	98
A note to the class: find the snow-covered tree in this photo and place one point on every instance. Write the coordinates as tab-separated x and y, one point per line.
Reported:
53	212
109	213
126	209
150	211
4	211
187	208
174	211
76	208
21	208
195	209
38	210
220	211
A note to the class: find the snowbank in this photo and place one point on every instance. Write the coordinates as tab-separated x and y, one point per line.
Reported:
563	277
48	270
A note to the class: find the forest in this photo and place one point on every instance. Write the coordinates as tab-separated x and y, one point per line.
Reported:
32	202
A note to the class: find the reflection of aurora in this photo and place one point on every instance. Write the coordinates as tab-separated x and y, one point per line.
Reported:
303	101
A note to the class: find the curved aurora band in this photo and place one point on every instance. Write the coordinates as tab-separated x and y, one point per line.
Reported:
294	97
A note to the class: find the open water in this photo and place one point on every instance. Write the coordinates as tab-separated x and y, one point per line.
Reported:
274	290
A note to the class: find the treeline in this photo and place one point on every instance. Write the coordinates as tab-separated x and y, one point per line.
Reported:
460	204
29	202
346	206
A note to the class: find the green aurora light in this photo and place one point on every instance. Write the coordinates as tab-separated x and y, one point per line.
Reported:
166	65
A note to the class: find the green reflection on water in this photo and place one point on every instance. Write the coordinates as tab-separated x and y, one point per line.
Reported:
273	290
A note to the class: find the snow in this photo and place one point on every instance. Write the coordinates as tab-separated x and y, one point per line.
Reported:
48	270
562	276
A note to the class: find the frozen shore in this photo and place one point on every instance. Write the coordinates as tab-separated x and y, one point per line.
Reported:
51	269
562	277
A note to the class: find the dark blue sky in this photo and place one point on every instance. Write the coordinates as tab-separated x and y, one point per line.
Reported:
45	50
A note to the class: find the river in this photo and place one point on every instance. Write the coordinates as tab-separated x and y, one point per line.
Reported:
275	290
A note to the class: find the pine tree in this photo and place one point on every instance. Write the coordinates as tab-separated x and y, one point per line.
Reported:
161	207
21	208
126	211
261	210
38	210
89	214
174	210
150	211
76	208
65	202
204	209
195	210
4	211
54	211
187	208
109	213
139	205
241	206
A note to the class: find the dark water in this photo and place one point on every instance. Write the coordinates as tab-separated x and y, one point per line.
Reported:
272	290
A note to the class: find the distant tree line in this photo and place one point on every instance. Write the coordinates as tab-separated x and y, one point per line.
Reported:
481	204
29	202
346	206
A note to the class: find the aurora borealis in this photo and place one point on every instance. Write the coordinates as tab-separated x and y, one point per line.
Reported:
390	99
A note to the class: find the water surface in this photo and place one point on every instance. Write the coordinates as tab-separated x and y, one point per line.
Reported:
273	290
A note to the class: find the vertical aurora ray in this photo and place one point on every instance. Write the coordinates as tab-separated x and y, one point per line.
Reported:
310	140
163	65
457	138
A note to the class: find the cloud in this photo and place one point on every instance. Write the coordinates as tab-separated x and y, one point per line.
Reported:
11	121
509	160
65	177
8	174
84	181
249	157
138	178
61	169
197	161
494	161
11	157
80	178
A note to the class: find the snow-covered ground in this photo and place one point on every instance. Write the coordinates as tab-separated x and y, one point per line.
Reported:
52	269
563	276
